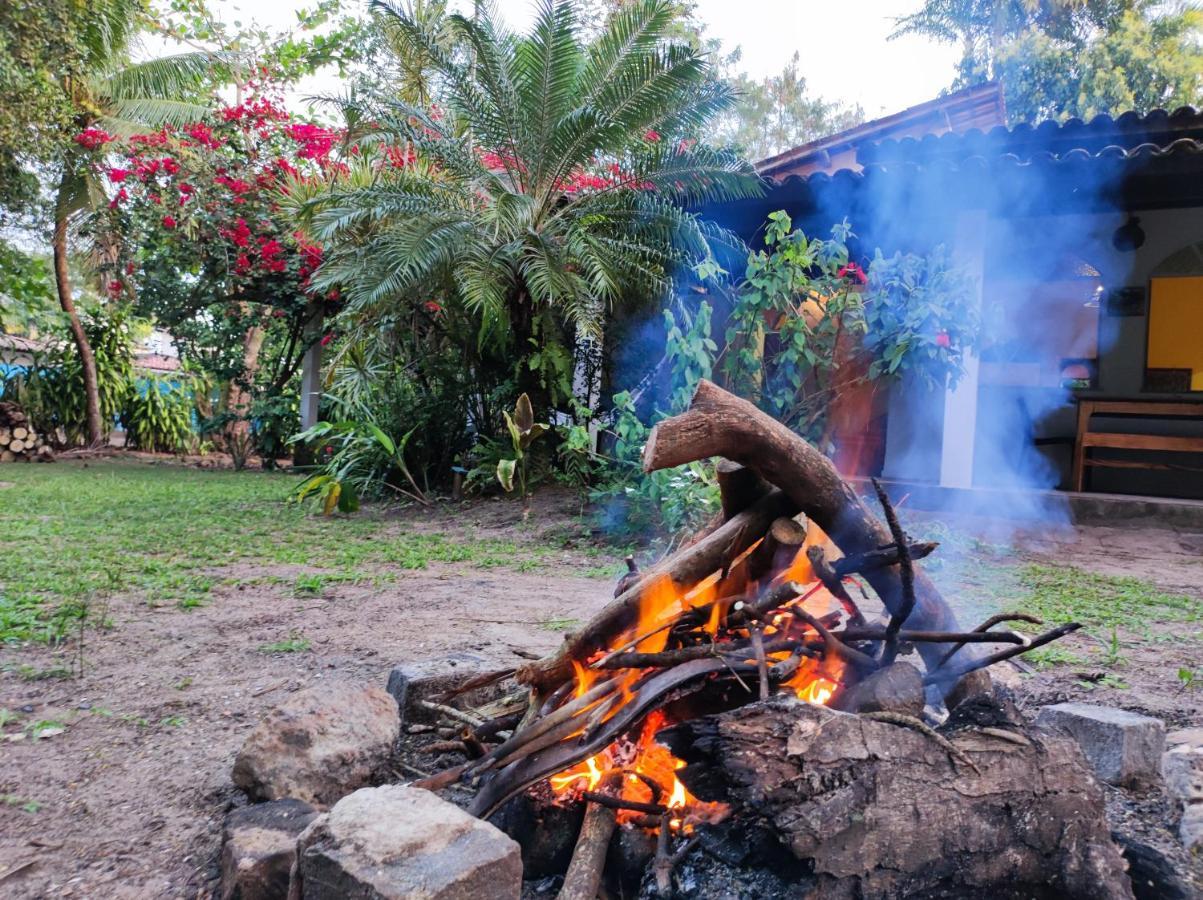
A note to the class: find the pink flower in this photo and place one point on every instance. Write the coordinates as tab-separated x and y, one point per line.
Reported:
169	222
326	339
120	196
115	288
432	307
943	340
118	175
651	136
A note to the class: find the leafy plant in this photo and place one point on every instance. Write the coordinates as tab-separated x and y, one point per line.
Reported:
1187	677
158	415
358	458
294	643
523	431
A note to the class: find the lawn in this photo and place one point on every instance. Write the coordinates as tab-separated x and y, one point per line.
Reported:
73	534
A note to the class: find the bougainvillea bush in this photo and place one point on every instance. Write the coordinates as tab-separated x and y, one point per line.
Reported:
204	249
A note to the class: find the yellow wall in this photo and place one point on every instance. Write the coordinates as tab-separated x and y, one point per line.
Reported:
1176	326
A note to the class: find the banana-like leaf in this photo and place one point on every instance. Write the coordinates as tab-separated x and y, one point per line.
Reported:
515	434
538	429
524	413
382	439
505	472
331	501
348	500
311	485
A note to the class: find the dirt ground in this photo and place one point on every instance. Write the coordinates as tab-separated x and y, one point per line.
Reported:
128	800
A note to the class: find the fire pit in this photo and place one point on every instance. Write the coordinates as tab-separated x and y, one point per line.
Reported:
738	686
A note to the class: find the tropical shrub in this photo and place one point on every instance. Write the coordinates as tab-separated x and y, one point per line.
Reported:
158	414
355	458
523	431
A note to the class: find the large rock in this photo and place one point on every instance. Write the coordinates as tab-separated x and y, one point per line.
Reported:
426	679
1124	748
1182	768
395	842
259	847
320	744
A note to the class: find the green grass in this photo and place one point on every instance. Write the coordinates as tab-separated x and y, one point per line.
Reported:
70	534
294	643
1103	603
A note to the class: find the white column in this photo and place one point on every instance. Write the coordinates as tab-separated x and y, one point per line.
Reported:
960	403
311	366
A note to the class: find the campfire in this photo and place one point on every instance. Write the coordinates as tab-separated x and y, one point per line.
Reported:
757	627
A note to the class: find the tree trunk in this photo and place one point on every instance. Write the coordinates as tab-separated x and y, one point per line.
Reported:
881	809
237	432
87	359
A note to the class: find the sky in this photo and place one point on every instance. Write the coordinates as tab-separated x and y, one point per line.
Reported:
845	54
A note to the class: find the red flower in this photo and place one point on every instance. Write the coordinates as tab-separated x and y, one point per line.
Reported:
169	222
854	272
326	339
432	307
651	135
120	196
115	288
118	175
943	340
93	138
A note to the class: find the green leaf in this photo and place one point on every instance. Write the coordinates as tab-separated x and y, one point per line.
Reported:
505	473
515	434
348	500
382	439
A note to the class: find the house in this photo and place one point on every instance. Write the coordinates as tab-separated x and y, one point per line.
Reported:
1085	240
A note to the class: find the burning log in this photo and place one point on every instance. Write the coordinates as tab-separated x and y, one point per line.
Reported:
588	859
880	810
720	424
778	549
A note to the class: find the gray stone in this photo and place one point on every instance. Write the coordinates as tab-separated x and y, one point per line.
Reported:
1182	769
395	842
412	682
1123	747
319	744
259	845
898	688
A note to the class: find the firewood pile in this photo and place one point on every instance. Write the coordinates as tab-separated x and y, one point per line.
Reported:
742	680
19	440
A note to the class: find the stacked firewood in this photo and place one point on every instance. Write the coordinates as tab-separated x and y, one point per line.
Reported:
19	440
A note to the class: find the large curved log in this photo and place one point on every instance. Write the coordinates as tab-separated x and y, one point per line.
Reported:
686	568
718	423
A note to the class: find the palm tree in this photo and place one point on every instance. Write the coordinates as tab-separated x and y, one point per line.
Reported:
122	98
553	180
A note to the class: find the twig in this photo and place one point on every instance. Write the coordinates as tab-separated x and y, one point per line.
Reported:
945	675
762	666
834	583
906	572
438	780
915	725
613	802
477	681
662	867
658	660
446	747
934	637
414	770
987	625
832	643
879	559
452	713
472	744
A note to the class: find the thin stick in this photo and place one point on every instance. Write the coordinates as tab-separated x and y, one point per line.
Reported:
832	643
934	637
613	802
945	675
906	572
834	583
987	625
663	658
662	867
762	665
904	721
477	681
452	713
440	780
878	559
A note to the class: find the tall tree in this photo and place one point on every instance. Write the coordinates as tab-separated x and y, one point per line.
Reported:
111	96
553	181
1061	58
779	112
